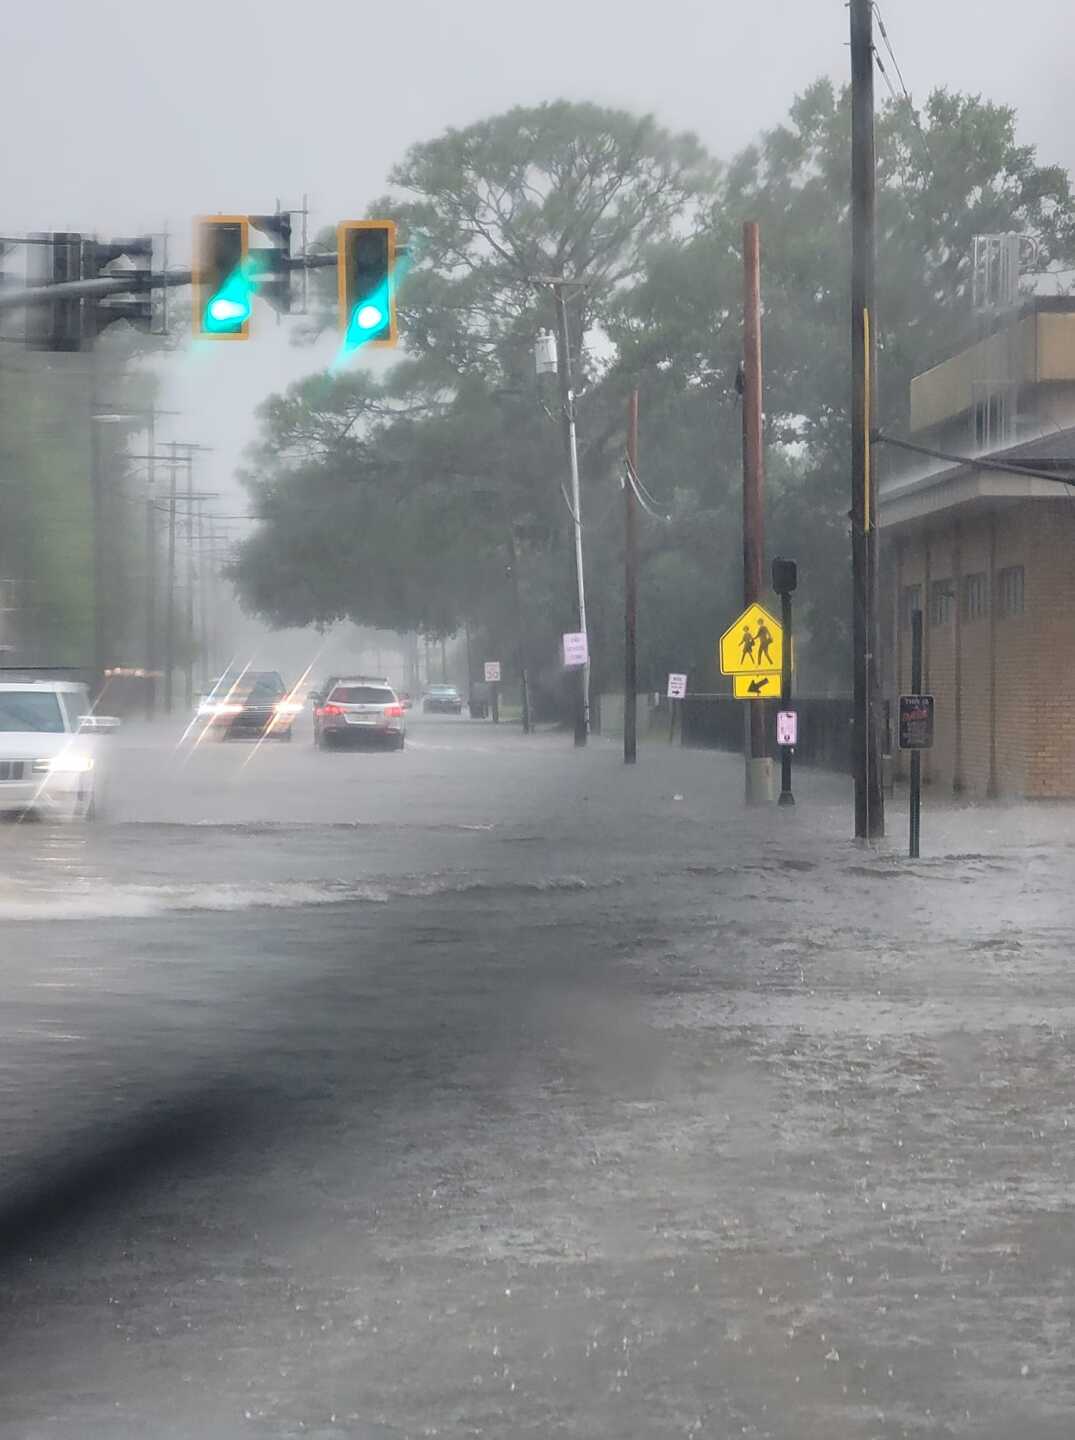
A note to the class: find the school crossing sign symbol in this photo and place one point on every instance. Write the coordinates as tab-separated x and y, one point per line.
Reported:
752	652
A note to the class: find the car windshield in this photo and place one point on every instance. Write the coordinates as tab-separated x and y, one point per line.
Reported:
361	695
33	710
443	690
259	689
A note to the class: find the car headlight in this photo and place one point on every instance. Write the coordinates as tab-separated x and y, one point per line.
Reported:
214	707
66	763
288	707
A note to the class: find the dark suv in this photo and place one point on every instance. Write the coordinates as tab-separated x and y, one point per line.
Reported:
442	700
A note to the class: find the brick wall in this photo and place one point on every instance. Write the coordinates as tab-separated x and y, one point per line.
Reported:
1033	653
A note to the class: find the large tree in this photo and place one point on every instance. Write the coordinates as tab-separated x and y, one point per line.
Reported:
449	470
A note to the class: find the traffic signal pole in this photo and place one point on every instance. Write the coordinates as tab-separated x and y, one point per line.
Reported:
757	767
869	791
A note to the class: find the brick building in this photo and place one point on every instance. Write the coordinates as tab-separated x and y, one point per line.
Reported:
989	558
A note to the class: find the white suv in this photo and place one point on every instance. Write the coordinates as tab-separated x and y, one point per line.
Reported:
48	755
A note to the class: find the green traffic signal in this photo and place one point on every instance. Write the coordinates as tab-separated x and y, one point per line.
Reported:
365	260
229	309
224	277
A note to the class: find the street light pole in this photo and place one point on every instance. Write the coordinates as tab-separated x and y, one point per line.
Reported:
567	406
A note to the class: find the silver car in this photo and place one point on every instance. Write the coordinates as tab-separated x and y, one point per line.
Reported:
359	708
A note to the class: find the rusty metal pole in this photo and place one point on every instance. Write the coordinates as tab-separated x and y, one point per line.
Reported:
758	766
630	589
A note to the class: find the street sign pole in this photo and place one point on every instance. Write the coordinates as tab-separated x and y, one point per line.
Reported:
786	797
916	755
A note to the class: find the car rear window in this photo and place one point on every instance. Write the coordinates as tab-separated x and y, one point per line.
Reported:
362	695
37	710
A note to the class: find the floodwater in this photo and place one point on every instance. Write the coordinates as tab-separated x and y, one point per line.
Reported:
492	1089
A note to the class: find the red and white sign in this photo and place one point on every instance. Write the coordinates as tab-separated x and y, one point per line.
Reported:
576	649
787	727
492	672
677	687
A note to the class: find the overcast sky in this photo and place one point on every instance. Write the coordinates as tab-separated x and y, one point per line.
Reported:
121	117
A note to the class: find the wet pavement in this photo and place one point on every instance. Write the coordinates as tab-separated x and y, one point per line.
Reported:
492	1089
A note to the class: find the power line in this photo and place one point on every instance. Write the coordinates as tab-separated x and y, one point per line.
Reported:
982	462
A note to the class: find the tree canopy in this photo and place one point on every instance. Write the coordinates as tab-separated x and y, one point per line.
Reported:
406	502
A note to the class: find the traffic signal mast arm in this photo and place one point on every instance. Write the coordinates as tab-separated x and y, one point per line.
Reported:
135	282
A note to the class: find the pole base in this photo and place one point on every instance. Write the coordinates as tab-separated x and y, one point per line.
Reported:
759	781
786	798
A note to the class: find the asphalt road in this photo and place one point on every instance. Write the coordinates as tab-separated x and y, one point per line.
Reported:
492	1089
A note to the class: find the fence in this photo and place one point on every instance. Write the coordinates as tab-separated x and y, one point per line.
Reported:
715	722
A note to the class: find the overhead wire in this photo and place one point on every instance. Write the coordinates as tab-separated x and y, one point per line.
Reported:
982	462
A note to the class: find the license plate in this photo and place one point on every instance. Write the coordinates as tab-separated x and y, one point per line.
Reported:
361	719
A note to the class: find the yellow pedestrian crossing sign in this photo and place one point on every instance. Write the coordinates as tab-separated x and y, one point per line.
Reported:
753	646
765	685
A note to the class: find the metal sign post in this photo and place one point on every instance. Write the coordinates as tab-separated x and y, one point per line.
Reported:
492	679
785	579
677	693
916	731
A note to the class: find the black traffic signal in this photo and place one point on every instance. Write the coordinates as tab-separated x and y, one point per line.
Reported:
222	279
98	258
365	261
54	259
272	276
785	576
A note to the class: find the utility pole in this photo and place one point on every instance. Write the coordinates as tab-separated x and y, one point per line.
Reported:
869	792
203	600
630	588
520	643
567	406
188	690
151	568
758	767
97	509
169	600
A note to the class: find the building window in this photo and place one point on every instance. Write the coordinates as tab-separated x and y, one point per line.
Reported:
975	596
941	594
1010	590
910	601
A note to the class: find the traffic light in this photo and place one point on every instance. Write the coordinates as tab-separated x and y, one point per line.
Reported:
365	261
98	258
222	277
270	264
54	259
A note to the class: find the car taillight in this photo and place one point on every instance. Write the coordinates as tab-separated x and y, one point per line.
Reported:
393	712
330	710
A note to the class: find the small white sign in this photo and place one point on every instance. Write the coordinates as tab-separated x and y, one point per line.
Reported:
576	649
787	727
492	672
677	687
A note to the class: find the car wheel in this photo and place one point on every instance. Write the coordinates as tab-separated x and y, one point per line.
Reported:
286	734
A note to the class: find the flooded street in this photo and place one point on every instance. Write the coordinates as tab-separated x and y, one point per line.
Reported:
485	1089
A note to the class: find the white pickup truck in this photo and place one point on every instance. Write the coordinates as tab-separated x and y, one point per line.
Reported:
50	759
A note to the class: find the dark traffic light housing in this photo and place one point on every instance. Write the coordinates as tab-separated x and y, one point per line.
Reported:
365	261
222	279
785	576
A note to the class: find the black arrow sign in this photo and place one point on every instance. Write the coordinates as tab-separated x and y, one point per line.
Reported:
757	686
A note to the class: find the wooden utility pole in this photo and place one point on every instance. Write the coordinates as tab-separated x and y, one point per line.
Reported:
757	765
869	791
630	588
169	599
